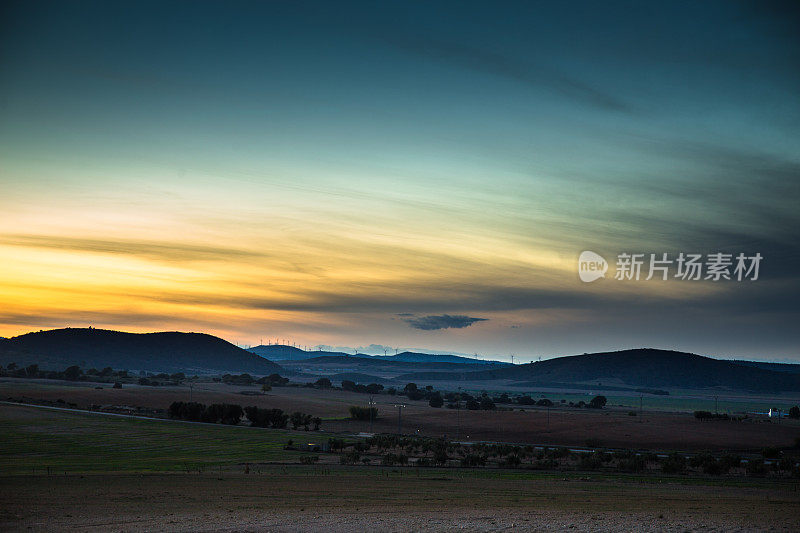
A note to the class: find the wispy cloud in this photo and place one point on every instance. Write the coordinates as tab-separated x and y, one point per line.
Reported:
534	74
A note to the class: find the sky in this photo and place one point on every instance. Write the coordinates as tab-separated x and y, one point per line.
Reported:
403	174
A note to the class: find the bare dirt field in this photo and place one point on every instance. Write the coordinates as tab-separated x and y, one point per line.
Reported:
359	499
612	427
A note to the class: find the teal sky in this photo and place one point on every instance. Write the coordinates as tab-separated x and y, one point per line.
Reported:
342	173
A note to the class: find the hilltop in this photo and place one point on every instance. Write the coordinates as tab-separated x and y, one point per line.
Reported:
194	353
639	367
280	352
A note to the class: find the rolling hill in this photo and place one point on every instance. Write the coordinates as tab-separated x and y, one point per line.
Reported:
279	352
193	353
641	367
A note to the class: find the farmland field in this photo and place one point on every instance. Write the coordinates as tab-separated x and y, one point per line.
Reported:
126	474
657	427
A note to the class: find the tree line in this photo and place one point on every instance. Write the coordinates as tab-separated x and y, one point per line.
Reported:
225	413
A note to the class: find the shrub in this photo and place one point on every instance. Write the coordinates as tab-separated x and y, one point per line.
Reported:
363	413
350	458
117	385
589	461
391	459
771	453
323	383
473	459
674	464
309	459
436	400
756	467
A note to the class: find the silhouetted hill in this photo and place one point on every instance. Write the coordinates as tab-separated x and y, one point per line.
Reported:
416	357
641	367
388	363
280	352
775	367
157	352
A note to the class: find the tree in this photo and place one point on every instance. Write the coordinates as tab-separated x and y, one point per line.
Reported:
317	421
410	387
107	371
487	404
71	373
323	383
598	402
32	371
296	419
415	394
436	400
363	413
348	385
231	414
794	412
374	388
472	405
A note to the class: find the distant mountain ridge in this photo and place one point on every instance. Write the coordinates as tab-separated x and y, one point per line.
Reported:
156	352
279	352
639	367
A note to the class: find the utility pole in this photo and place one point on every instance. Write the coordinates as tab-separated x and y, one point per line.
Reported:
371	407
458	415
399	418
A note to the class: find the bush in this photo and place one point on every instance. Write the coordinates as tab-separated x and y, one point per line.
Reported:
436	400
117	385
350	458
590	461
771	453
363	413
473	459
323	383
512	460
674	464
391	459
265	418
756	467
309	459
